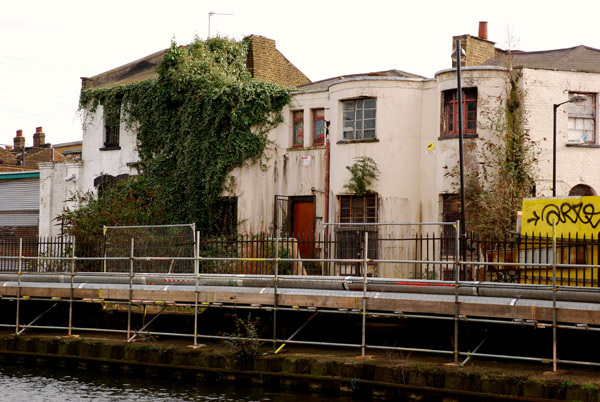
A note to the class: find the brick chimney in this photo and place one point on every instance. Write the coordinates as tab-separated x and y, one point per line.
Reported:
482	30
39	138
266	63
478	49
19	141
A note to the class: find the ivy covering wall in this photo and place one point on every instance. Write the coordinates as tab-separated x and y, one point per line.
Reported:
202	117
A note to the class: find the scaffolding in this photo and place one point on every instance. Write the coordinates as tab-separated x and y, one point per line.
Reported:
273	292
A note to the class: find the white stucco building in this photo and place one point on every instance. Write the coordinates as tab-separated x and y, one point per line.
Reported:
405	122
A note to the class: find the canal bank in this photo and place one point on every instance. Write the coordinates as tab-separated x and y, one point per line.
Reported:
338	372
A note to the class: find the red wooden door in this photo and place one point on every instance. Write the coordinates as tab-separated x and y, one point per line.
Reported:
303	224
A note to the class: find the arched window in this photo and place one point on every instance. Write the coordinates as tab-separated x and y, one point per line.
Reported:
104	182
581	190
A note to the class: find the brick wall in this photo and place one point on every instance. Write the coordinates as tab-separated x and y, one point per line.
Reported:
477	50
265	62
43	155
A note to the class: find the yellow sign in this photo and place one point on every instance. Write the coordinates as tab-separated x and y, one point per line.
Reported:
430	148
574	215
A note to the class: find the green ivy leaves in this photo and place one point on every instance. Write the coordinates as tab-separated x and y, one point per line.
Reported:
202	117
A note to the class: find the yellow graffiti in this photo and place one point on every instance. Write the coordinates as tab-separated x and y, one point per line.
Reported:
573	216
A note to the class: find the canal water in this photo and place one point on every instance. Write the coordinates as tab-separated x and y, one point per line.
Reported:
33	384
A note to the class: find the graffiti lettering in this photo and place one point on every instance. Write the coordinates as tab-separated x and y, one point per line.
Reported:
567	212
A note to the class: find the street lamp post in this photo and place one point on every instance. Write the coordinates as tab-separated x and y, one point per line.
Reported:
463	213
576	98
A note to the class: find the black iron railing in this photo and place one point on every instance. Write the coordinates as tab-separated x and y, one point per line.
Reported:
516	259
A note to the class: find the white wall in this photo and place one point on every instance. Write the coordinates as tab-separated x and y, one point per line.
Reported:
97	161
574	165
58	182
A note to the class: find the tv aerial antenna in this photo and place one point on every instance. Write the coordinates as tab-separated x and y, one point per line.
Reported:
210	14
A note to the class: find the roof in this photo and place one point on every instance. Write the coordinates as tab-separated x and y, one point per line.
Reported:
264	62
136	71
324	84
20	175
579	58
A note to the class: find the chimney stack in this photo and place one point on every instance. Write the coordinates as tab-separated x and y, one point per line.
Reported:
19	141
39	138
483	34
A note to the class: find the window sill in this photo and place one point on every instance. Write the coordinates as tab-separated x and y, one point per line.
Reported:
112	148
357	141
584	145
450	137
305	148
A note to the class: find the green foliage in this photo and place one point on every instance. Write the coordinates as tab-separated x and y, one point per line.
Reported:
202	117
362	173
589	387
283	267
129	202
243	342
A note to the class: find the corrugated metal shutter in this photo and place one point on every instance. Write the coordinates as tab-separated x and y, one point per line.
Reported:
19	219
19	202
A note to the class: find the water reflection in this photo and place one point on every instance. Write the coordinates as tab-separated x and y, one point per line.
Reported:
33	384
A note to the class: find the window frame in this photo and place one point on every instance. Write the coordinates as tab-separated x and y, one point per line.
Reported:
450	212
358	111
349	239
369	212
450	112
297	136
316	119
572	116
112	127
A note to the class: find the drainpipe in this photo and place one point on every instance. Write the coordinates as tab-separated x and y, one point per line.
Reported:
327	168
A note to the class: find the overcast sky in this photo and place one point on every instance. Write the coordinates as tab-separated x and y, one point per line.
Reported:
47	46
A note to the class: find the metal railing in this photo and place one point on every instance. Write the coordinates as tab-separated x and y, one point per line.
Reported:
523	261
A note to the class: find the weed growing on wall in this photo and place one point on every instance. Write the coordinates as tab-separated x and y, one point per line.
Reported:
362	173
202	117
494	191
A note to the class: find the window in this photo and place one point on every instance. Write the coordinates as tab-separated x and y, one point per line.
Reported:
581	190
357	209
225	212
359	119
106	181
318	126
582	120
298	128
450	213
350	239
112	120
469	101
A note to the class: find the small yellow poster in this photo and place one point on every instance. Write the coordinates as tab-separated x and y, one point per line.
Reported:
430	149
